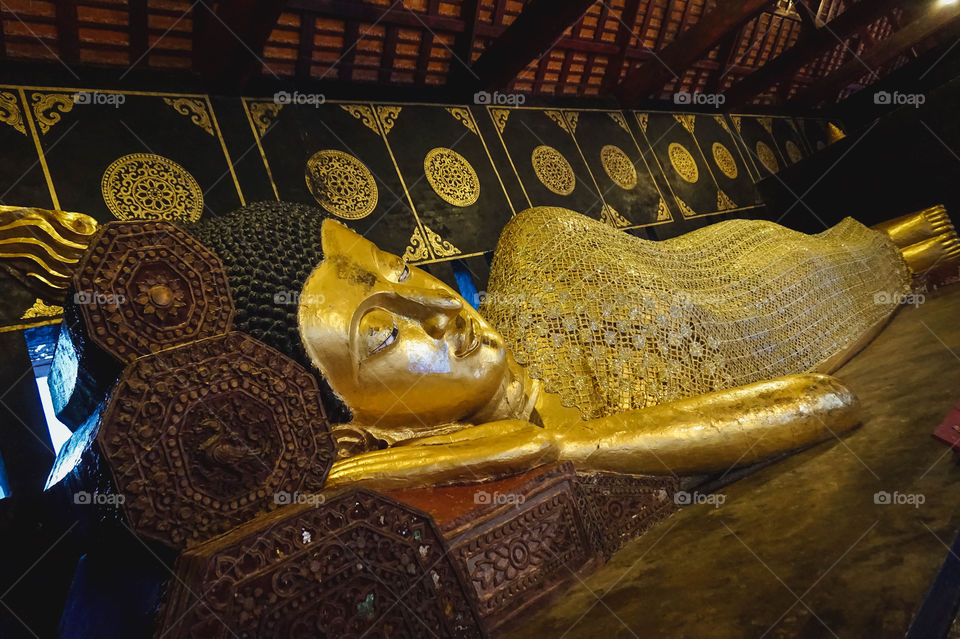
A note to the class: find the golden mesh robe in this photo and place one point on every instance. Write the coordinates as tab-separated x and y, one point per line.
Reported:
611	322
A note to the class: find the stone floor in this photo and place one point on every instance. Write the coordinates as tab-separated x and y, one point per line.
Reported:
800	549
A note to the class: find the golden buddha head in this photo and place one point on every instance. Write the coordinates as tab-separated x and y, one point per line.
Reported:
398	346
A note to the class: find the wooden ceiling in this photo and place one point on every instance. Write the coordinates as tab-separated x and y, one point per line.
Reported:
754	51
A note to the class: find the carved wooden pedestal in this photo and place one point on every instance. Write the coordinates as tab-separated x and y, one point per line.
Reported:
357	565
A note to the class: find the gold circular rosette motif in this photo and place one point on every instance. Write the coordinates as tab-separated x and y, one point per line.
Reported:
618	166
767	157
451	177
341	184
724	160
553	170
683	163
144	186
793	152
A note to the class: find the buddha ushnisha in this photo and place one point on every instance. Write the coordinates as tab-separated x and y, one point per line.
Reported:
686	356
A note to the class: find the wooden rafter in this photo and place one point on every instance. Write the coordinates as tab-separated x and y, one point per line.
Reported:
937	18
624	35
687	48
68	31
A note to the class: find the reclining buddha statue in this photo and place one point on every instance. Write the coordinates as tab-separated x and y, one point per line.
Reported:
687	356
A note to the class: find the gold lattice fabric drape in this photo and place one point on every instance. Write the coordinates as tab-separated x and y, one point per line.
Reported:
612	322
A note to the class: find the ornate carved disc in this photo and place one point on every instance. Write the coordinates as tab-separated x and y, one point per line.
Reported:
683	163
204	437
618	166
793	152
151	187
358	565
341	184
724	160
767	157
553	170
451	177
145	286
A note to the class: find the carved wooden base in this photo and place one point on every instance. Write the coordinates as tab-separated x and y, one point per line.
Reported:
359	565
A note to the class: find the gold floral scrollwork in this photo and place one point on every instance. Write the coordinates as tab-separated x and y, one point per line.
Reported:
463	116
663	211
48	108
766	123
10	112
724	160
388	117
737	122
719	119
363	113
557	117
451	177
143	186
643	119
553	170
500	118
572	118
724	203
609	215
620	120
440	247
195	109
793	152
263	115
767	157
618	166
684	208
683	163
421	245
341	184
686	121
41	309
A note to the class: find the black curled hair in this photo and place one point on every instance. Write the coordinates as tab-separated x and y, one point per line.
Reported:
268	250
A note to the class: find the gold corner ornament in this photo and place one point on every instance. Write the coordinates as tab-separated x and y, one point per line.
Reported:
663	211
10	112
144	186
425	241
572	118
620	120
42	310
609	215
618	167
451	177
500	118
793	152
686	121
341	184
263	115
48	109
767	123
643	119
553	170
683	162
559	120
363	113
737	123
388	117
767	157
195	109
724	203
463	116
722	122
724	160
685	209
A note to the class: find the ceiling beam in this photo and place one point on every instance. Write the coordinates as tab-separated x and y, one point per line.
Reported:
810	45
936	18
229	37
68	35
624	35
687	48
139	32
539	26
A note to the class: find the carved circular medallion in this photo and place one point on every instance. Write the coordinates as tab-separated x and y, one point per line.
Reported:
145	286
451	177
341	184
143	186
683	163
204	437
618	166
724	160
767	157
553	170
793	152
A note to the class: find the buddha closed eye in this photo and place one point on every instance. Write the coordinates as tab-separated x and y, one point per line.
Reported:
397	345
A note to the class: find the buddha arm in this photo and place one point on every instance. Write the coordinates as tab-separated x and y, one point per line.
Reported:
707	433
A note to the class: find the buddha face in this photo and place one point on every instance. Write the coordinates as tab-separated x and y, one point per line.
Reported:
399	346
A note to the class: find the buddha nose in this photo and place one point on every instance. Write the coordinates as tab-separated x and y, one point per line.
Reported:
436	308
